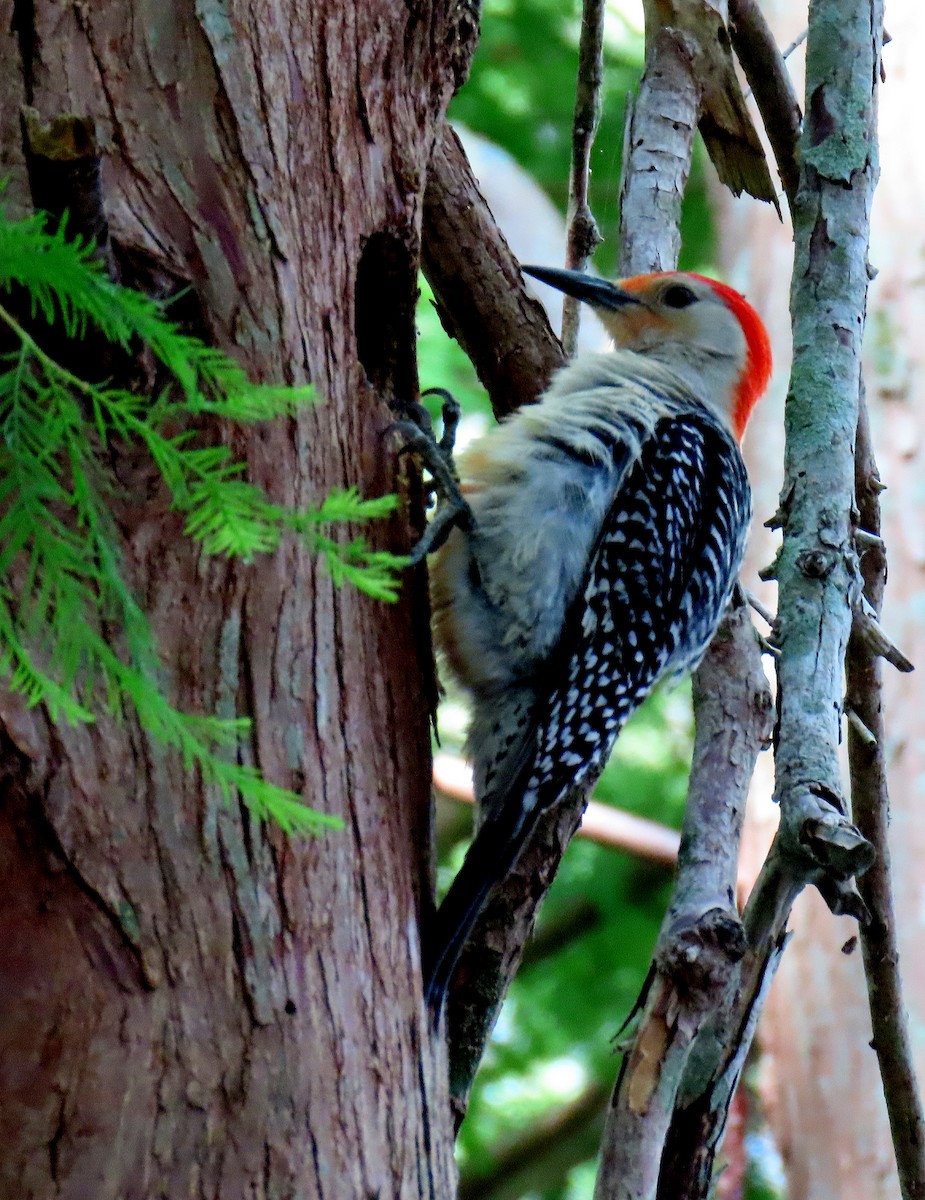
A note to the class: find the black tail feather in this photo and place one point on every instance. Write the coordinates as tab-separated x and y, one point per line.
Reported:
491	857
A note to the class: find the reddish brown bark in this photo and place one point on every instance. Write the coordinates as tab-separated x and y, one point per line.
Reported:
193	1005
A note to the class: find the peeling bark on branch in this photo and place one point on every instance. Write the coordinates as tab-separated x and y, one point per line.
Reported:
771	85
700	26
657	158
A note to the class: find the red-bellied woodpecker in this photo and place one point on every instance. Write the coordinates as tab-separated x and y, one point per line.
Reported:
606	529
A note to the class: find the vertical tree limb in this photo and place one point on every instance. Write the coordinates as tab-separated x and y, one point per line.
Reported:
871	807
817	568
816	842
700	1061
702	940
707	973
657	158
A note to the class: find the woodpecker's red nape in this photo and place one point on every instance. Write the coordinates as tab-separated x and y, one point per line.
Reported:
757	371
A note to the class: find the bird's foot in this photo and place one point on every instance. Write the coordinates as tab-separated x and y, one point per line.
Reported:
436	457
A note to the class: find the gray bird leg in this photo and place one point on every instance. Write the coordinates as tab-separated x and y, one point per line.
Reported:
437	459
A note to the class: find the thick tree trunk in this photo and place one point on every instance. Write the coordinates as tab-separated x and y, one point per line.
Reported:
193	1004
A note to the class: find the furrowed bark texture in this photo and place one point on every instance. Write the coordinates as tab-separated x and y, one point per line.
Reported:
194	1005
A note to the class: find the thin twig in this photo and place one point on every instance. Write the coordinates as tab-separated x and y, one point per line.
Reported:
765	613
868	629
583	235
799	40
871	808
858	727
785	54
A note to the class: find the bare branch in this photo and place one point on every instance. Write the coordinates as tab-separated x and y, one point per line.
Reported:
494	951
478	286
707	972
724	120
801	38
702	940
856	723
583	234
871	806
817	565
867	629
772	87
657	159
765	613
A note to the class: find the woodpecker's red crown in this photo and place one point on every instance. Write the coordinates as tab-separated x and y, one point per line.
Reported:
756	370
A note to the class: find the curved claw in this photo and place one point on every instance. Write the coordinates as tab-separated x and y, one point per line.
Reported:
419	415
416	430
450	413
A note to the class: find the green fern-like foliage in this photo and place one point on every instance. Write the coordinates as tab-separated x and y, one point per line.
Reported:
72	635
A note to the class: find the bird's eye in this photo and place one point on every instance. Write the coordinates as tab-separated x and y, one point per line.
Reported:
678	296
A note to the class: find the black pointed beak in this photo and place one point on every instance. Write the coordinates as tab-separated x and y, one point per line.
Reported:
597	292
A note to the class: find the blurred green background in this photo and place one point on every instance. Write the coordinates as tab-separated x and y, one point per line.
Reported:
553	1056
